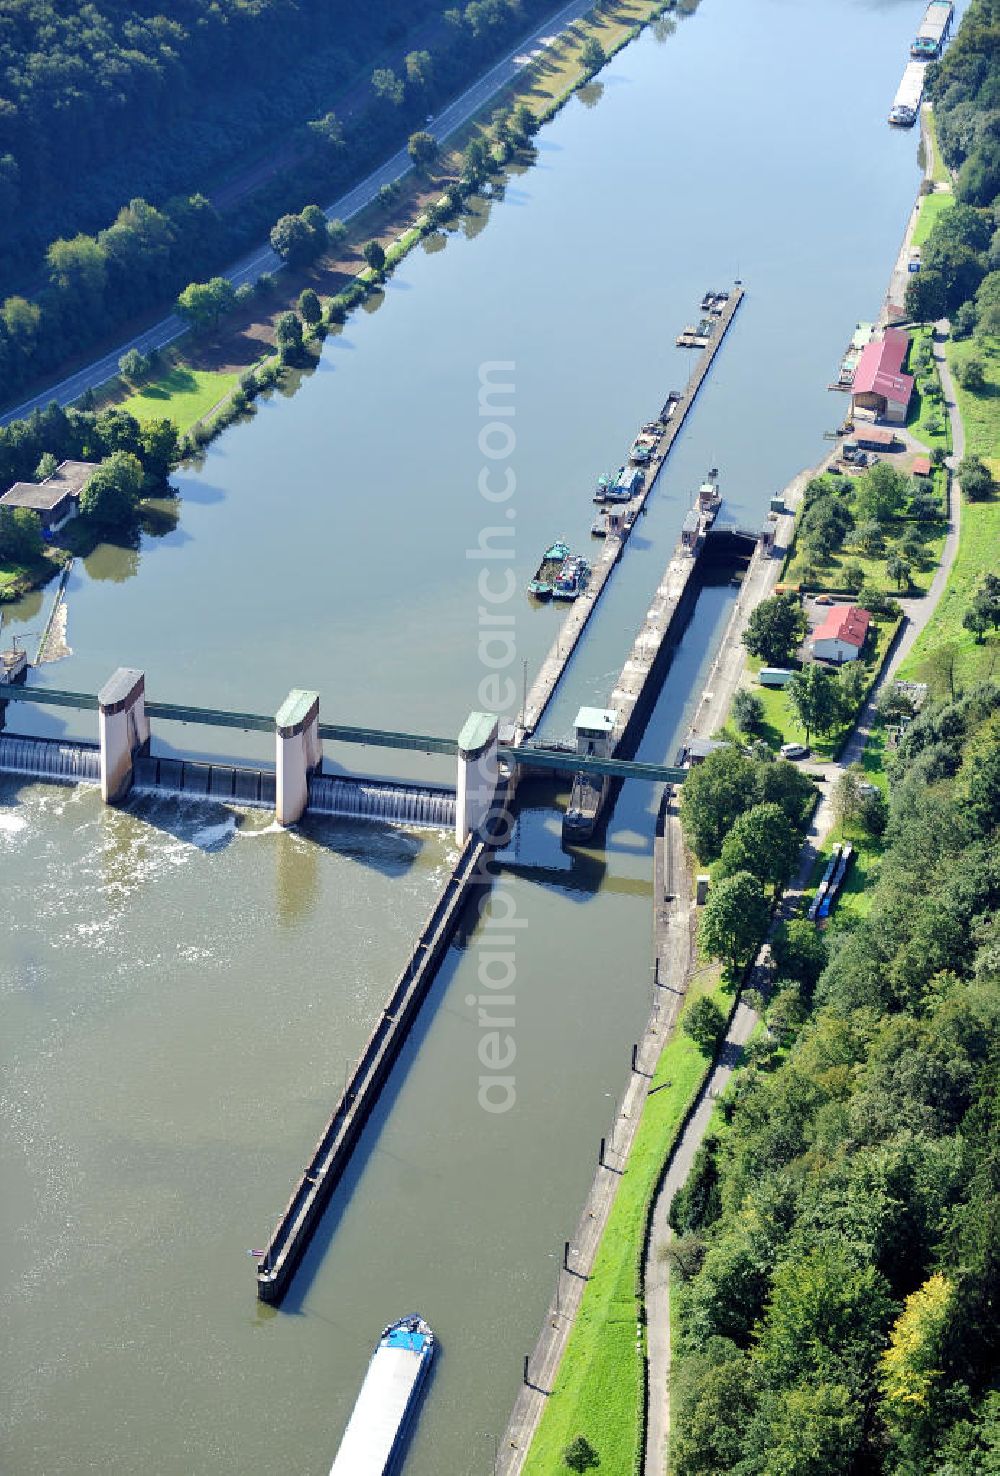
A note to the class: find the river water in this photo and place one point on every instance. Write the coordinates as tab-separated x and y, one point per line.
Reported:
183	988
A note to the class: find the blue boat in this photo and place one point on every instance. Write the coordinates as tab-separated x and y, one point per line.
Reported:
376	1434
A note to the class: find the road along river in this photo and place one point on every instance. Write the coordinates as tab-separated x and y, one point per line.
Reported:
182	989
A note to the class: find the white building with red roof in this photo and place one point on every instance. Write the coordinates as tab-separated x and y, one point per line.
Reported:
842	635
880	389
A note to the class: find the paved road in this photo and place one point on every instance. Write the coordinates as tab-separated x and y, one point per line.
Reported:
715	703
263	260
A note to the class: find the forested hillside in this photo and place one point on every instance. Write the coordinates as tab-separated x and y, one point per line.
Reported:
115	118
840	1234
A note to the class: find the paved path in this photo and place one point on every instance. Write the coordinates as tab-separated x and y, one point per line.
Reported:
263	260
715	704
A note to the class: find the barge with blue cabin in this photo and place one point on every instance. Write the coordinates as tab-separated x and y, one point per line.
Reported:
375	1438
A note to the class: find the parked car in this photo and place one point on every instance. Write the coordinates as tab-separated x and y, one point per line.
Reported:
824	599
793	751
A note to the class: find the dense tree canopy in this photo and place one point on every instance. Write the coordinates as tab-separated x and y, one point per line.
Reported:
775	629
836	1303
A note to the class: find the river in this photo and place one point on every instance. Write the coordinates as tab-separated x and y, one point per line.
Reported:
183	988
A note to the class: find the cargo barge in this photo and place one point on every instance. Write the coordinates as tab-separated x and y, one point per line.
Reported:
375	1438
933	32
906	103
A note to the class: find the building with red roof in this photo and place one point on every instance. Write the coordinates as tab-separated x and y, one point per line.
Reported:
842	635
880	388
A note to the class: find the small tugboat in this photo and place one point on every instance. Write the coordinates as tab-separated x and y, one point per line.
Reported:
572	579
553	559
388	1400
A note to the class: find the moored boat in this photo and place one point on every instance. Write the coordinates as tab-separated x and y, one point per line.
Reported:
387	1404
572	579
552	561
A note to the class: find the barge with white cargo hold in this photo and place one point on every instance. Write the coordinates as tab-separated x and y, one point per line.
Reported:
933	33
375	1437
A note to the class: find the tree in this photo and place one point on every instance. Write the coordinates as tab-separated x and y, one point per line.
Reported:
310	310
592	55
847	795
204	303
316	223
748	710
328	133
898	570
336	233
47	464
734	919
971	373
800	951
160	443
78	268
976	478
113	492
419	71
763	843
870	536
938	669
20	535
881	493
714	793
704	1023
853	576
374	255
976	622
423	150
288	337
926	296
292	240
475	160
912	1363
388	88
580	1455
775	629
873	812
814	698
133	365
987	309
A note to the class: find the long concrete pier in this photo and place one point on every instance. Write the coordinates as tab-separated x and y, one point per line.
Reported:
636	684
330	1157
555	663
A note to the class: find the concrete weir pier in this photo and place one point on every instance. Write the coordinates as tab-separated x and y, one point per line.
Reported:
298	753
123	728
340	1136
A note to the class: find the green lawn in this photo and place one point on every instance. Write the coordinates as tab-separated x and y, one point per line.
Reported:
598	1391
981	411
931	206
979	544
940	173
829	576
182	395
923	412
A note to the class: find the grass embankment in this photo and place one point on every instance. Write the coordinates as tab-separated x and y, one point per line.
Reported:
180	394
598	1391
931	207
940	173
926	419
979	541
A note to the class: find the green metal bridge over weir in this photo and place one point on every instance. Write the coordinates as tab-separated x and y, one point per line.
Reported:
556	760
